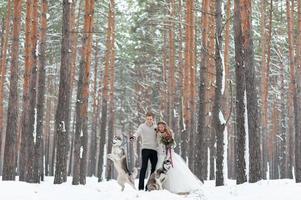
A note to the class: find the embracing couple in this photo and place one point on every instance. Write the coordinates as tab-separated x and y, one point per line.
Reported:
157	146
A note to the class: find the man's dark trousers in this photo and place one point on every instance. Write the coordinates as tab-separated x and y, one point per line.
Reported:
147	154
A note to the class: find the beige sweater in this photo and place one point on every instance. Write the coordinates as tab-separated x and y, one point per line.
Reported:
148	136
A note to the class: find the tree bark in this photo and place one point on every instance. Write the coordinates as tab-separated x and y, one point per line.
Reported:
3	66
292	89
93	145
62	113
202	152
240	95
39	146
26	90
227	96
105	98
32	134
264	87
81	133
251	92
9	165
297	100
219	125
111	132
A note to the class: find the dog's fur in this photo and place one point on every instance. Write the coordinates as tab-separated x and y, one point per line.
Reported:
119	159
156	179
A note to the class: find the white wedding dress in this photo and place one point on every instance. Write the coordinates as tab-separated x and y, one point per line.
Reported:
179	177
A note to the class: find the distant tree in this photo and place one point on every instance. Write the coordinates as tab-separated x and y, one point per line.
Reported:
297	104
105	92
292	89
95	119
9	166
39	144
210	92
81	133
111	120
227	96
264	86
31	134
251	91
172	79
25	123
189	46
201	136
219	124
265	66
240	94
63	108
3	66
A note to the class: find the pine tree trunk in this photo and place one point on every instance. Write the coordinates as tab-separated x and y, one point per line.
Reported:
75	24
187	81
211	89
3	66
171	79
105	98
31	135
192	95
202	152
109	169
93	145
62	113
297	101
292	89
81	133
163	95
227	96
9	164
39	146
181	83
283	130
264	87
251	92
219	125
47	134
26	100
240	95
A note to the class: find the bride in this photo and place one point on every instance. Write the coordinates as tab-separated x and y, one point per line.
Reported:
179	177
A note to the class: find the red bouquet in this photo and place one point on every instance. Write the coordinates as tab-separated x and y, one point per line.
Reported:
167	140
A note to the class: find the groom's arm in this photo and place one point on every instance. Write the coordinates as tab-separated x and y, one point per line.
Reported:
137	133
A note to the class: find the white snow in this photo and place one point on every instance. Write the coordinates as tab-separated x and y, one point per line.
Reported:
35	125
63	126
221	118
110	190
81	151
224	75
247	136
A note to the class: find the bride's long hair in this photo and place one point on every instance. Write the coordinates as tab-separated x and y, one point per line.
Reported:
166	128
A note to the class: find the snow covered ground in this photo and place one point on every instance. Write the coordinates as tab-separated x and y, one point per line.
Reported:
263	190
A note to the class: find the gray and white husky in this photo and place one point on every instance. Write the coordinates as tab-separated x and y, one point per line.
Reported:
158	177
118	157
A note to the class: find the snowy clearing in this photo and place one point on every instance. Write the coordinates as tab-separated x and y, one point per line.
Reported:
263	190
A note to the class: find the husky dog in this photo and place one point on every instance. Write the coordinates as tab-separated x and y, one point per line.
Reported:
157	178
119	159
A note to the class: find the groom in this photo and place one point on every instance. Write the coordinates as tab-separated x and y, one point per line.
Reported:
149	146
